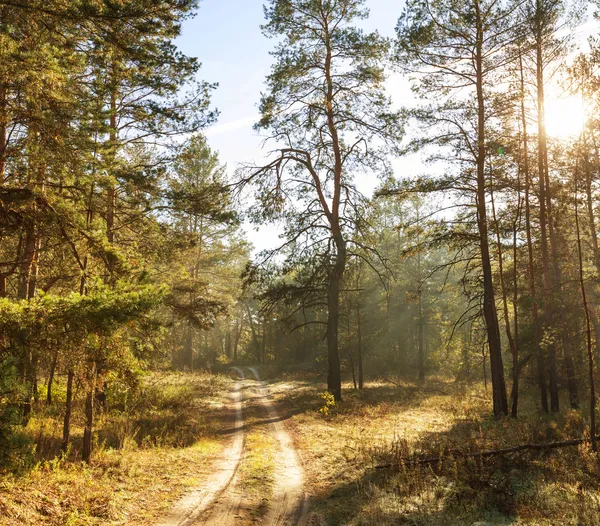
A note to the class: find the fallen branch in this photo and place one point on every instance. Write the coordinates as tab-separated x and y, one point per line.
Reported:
484	454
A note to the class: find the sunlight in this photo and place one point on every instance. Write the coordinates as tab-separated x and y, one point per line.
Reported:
565	117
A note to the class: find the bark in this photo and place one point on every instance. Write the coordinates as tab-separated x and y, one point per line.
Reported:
238	333
68	407
255	341
540	358
543	201
511	342
489	302
263	351
89	418
188	348
359	346
111	194
517	224
334	380
588	327
3	131
421	355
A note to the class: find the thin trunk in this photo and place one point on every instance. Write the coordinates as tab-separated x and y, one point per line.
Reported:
188	349
543	202
89	418
68	408
489	302
516	369
113	136
51	377
539	352
588	327
421	355
3	130
264	342
359	345
236	341
511	342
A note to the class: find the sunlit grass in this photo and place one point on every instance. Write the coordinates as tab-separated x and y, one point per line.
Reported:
388	422
144	459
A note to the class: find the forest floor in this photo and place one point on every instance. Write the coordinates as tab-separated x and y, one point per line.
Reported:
393	419
149	451
259	447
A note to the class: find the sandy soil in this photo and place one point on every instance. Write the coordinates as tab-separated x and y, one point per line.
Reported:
221	499
193	506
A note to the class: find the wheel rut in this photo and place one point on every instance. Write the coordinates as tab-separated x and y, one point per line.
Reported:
192	507
222	501
289	502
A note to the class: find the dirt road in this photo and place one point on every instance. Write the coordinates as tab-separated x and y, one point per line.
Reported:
221	498
192	507
289	503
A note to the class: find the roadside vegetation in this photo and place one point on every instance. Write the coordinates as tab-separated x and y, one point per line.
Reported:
428	311
153	444
358	457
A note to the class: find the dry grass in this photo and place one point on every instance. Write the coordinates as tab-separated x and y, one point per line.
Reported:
147	455
387	422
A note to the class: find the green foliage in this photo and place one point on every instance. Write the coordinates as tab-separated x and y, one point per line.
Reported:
328	403
16	448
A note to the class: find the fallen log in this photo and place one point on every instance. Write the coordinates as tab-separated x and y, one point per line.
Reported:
485	453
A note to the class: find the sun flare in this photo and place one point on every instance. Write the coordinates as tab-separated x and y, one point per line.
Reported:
565	117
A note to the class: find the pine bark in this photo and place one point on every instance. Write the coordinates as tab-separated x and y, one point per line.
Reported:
500	402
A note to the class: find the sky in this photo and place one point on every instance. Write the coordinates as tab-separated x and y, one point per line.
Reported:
225	36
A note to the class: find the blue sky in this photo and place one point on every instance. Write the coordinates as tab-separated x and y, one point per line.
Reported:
226	37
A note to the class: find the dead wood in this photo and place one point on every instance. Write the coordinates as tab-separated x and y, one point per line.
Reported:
483	454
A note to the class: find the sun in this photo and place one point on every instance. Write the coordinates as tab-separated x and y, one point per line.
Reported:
565	117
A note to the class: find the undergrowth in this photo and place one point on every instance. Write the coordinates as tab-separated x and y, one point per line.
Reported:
151	445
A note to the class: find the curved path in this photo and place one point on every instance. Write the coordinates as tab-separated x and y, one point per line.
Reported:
219	501
193	505
289	502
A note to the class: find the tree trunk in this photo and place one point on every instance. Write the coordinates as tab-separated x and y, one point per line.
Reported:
51	378
590	354
111	194
359	345
3	129
89	418
188	349
334	377
544	213
421	356
511	342
489	301
68	407
539	353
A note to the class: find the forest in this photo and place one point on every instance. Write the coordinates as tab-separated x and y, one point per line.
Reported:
416	345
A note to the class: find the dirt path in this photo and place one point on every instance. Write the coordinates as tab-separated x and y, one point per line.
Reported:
289	502
189	510
222	499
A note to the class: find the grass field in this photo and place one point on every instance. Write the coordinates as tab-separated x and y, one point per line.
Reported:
168	438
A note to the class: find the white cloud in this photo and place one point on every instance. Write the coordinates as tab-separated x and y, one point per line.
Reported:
225	127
